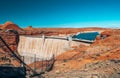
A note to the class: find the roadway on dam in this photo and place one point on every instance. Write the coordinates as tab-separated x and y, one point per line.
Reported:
66	38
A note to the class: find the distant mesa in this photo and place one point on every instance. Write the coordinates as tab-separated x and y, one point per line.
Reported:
29	28
10	25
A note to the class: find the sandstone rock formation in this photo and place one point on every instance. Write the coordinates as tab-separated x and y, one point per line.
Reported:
29	28
99	60
11	38
10	25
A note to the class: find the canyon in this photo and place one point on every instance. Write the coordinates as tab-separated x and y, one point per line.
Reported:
100	59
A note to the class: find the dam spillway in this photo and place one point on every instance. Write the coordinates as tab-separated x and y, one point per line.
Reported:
43	48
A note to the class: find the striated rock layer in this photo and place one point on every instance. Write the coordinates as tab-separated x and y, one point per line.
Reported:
11	38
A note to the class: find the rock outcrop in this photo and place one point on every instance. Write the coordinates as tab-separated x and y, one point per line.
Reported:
10	25
11	38
29	28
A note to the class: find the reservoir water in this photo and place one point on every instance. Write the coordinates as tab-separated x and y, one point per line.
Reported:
86	36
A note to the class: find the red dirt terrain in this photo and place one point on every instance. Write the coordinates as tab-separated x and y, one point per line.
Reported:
98	60
59	31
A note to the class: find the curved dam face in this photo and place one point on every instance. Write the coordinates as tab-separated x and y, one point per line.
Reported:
43	48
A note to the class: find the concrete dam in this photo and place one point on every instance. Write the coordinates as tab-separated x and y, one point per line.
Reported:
43	48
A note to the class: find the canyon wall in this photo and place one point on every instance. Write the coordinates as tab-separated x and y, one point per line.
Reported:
11	38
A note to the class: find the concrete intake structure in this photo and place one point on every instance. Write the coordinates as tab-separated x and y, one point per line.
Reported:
43	48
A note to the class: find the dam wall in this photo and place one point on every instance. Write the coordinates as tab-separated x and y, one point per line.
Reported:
41	48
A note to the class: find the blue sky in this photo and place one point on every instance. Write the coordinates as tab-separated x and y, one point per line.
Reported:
61	13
